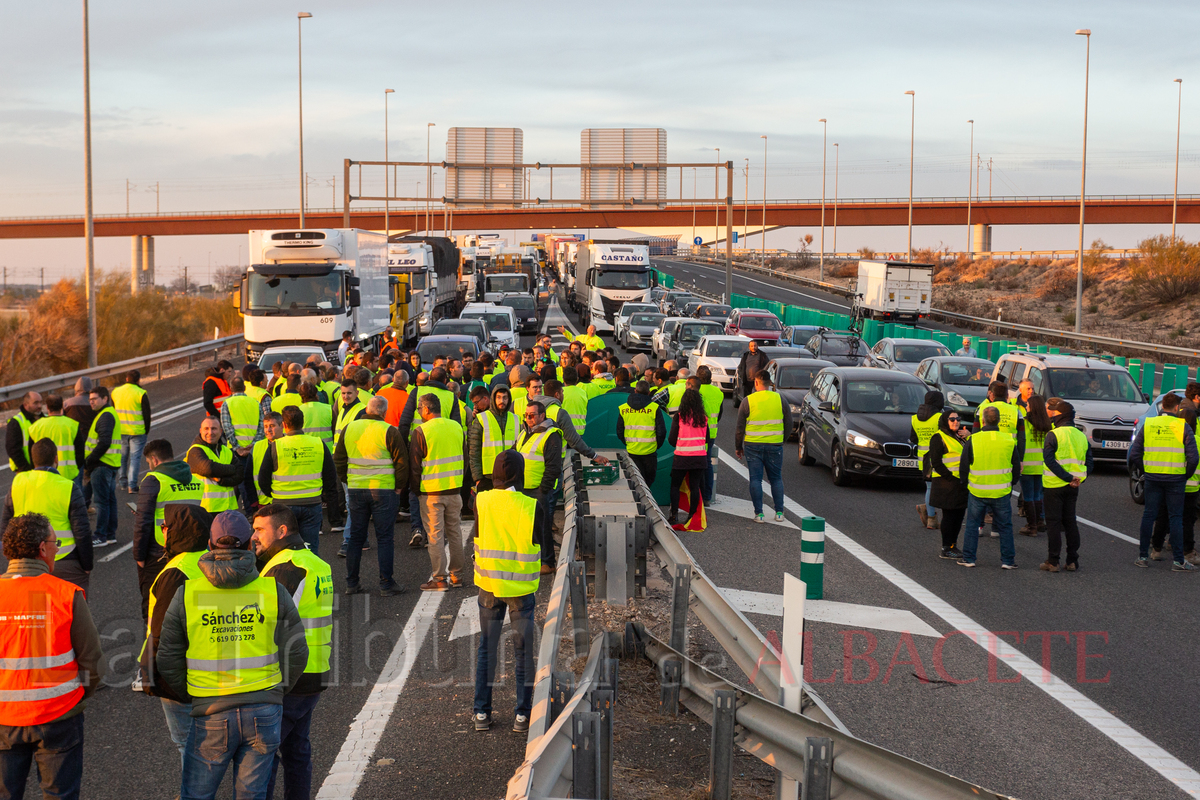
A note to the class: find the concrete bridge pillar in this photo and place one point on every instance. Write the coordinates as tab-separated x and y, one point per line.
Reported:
141	263
982	239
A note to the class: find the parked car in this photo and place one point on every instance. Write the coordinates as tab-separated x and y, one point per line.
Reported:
621	318
687	335
640	330
962	381
662	337
501	321
1137	488
525	308
676	303
721	354
470	327
798	335
1107	402
689	308
664	302
857	421
754	323
772	352
454	345
843	349
792	378
906	354
715	311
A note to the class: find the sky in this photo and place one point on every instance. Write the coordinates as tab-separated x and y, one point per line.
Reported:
201	102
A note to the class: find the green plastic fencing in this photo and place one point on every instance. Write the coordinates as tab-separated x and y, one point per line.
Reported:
1148	379
664	279
602	435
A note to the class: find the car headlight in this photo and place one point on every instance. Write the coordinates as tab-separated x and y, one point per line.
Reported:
635	336
797	409
858	440
956	398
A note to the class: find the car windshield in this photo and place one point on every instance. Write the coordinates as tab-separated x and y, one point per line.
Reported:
714	311
759	323
508	283
629	309
966	373
469	327
269	360
726	348
620	279
650	320
694	333
841	347
295	294
883	397
430	350
1093	384
916	353
495	321
670	326
800	336
799	377
519	303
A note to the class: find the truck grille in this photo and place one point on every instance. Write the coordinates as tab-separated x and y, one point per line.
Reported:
610	308
1112	434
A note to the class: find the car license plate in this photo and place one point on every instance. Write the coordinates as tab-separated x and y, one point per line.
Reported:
1109	445
906	463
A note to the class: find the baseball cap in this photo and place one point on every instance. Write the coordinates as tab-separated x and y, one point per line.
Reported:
230	530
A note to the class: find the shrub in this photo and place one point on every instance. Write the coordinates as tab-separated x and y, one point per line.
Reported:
1069	318
1166	271
1059	283
866	253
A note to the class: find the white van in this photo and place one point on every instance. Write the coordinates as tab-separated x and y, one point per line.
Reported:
501	321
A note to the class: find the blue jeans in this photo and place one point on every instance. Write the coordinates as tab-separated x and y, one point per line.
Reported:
1001	508
710	476
295	749
366	505
58	749
1031	488
248	736
768	457
346	522
179	722
414	510
930	510
104	492
131	460
309	520
1159	495
491	623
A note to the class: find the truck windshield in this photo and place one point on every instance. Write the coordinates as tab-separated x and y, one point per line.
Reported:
295	294
615	279
416	280
1094	384
508	283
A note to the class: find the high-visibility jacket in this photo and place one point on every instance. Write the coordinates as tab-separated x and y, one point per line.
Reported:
39	491
215	497
284	400
127	400
279	385
639	428
442	466
602	385
953	456
925	431
315	604
1033	462
496	441
1009	416
575	401
39	677
62	431
112	456
692	439
331	389
318	421
1162	438
593	343
507	561
256	393
396	399
520	399
1071	454
189	565
764	425
675	395
244	412
712	397
223	391
991	464
370	464
364	396
297	476
24	423
446	399
256	459
533	450
231	637
558	415
347	416
172	492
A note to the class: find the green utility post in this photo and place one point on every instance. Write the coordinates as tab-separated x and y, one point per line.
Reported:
812	556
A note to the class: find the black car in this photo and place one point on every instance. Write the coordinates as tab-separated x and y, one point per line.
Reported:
792	378
525	307
674	305
689	308
962	381
843	349
688	335
857	420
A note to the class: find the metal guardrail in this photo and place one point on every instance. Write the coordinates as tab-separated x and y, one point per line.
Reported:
106	370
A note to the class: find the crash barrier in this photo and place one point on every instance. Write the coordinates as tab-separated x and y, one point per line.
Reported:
613	534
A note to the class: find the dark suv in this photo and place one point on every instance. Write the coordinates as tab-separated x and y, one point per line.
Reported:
843	349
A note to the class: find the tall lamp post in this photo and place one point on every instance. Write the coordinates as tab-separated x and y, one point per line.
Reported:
1087	64
717	200
911	142
969	157
428	174
836	164
90	268
746	202
824	152
300	17
387	227
762	258
1178	121
693	207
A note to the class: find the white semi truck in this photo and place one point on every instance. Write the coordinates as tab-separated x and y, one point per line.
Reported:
430	265
895	291
303	288
608	274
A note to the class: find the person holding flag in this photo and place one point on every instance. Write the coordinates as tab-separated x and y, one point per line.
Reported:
691	437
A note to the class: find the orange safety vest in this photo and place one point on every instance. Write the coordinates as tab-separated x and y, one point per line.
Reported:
223	391
397	399
39	677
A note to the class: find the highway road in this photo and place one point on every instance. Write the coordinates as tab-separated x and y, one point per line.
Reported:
1113	715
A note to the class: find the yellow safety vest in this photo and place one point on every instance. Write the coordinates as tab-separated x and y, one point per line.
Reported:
520	399
172	492
347	416
40	491
675	395
442	467
533	450
991	464
24	423
1162	439
331	389
1009	416
244	414
925	431
297	477
602	385
1033	462
284	400
496	441
112	456
216	498
315	604
371	464
953	457
712	397
256	459
1071	454
318	421
256	393
189	565
593	343
575	401
231	637
639	428
127	400
764	425
507	562
62	431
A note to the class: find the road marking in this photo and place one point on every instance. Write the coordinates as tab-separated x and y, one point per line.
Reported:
119	551
739	507
1137	745
1099	527
467	621
367	728
850	615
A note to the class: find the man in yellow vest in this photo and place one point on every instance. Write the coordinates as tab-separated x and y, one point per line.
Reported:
437	385
297	471
236	683
252	495
102	459
575	398
1164	451
1191	492
42	490
133	413
282	555
714	402
64	432
493	431
669	396
641	429
506	572
318	416
589	340
541	447
436	476
219	469
241	418
762	419
16	436
370	459
990	464
289	397
1010	414
52	664
168	483
348	409
1066	462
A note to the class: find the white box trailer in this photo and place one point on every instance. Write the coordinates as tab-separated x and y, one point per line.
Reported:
895	291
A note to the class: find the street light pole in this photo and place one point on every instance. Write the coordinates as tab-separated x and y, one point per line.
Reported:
1178	121
717	200
969	168
911	143
88	228
762	258
428	175
300	17
824	153
746	202
693	244
387	226
836	163
1087	64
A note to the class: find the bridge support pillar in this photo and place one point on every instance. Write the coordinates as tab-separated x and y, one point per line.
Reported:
981	238
141	263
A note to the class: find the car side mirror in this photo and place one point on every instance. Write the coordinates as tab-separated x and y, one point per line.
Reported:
826	406
696	353
355	298
237	299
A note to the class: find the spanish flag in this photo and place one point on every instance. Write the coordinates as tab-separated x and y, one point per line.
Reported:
696	521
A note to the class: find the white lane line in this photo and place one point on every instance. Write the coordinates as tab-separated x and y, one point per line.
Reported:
1137	745
851	615
1099	527
743	508
367	728
119	551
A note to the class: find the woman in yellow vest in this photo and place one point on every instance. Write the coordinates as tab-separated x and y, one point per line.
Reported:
946	491
1037	425
924	427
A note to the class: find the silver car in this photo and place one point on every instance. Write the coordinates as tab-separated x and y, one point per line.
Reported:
905	354
639	330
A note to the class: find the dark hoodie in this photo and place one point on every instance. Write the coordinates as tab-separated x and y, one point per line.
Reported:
232	569
293	578
227	475
934	403
187	532
947	490
637	402
475	432
145	547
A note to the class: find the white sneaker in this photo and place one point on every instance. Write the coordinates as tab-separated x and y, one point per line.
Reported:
712	503
779	517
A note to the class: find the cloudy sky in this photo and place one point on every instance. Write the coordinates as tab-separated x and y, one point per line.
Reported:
200	100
